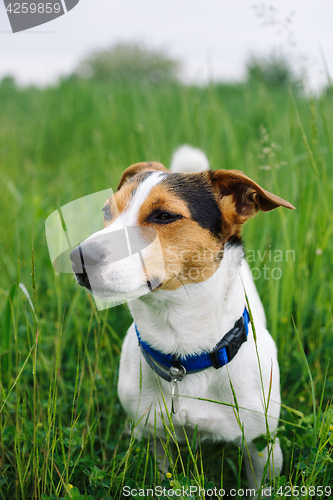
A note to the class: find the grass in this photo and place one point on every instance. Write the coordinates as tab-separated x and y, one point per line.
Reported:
63	431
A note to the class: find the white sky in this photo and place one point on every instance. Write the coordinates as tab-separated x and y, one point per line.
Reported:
213	38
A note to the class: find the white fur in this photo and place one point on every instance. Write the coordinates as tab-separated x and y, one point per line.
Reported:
189	159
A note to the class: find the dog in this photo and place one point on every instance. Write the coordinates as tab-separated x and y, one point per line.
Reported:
191	336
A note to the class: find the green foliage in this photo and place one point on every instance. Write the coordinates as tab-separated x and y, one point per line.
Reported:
8	82
63	431
273	71
130	63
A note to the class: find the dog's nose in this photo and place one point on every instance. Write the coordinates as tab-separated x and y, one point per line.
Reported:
90	254
77	260
85	257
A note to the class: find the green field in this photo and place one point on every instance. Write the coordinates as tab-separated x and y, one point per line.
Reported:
63	431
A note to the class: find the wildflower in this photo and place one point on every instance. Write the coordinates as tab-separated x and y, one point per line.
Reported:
168	475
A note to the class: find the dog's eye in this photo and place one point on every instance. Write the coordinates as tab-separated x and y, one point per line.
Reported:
164	217
107	212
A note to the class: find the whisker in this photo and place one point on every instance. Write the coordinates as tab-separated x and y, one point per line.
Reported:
185	289
210	251
217	255
197	283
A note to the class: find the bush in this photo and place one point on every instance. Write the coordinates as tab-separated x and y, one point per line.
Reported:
8	82
128	62
274	71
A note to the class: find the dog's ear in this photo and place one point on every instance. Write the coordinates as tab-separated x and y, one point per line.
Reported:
138	168
244	195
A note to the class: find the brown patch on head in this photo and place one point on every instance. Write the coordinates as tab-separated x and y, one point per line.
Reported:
192	255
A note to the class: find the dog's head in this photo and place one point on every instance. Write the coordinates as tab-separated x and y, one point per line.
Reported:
186	218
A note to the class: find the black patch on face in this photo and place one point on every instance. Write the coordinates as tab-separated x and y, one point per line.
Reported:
198	194
235	242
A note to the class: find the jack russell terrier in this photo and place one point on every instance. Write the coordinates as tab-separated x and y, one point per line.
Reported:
191	337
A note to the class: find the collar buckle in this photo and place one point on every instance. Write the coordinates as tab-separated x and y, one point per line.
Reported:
231	342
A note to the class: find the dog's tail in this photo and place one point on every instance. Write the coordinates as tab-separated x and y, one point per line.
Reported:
189	159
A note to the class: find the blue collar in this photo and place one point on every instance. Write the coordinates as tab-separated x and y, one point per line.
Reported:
222	353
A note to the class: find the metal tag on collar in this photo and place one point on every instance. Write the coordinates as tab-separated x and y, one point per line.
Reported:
177	374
